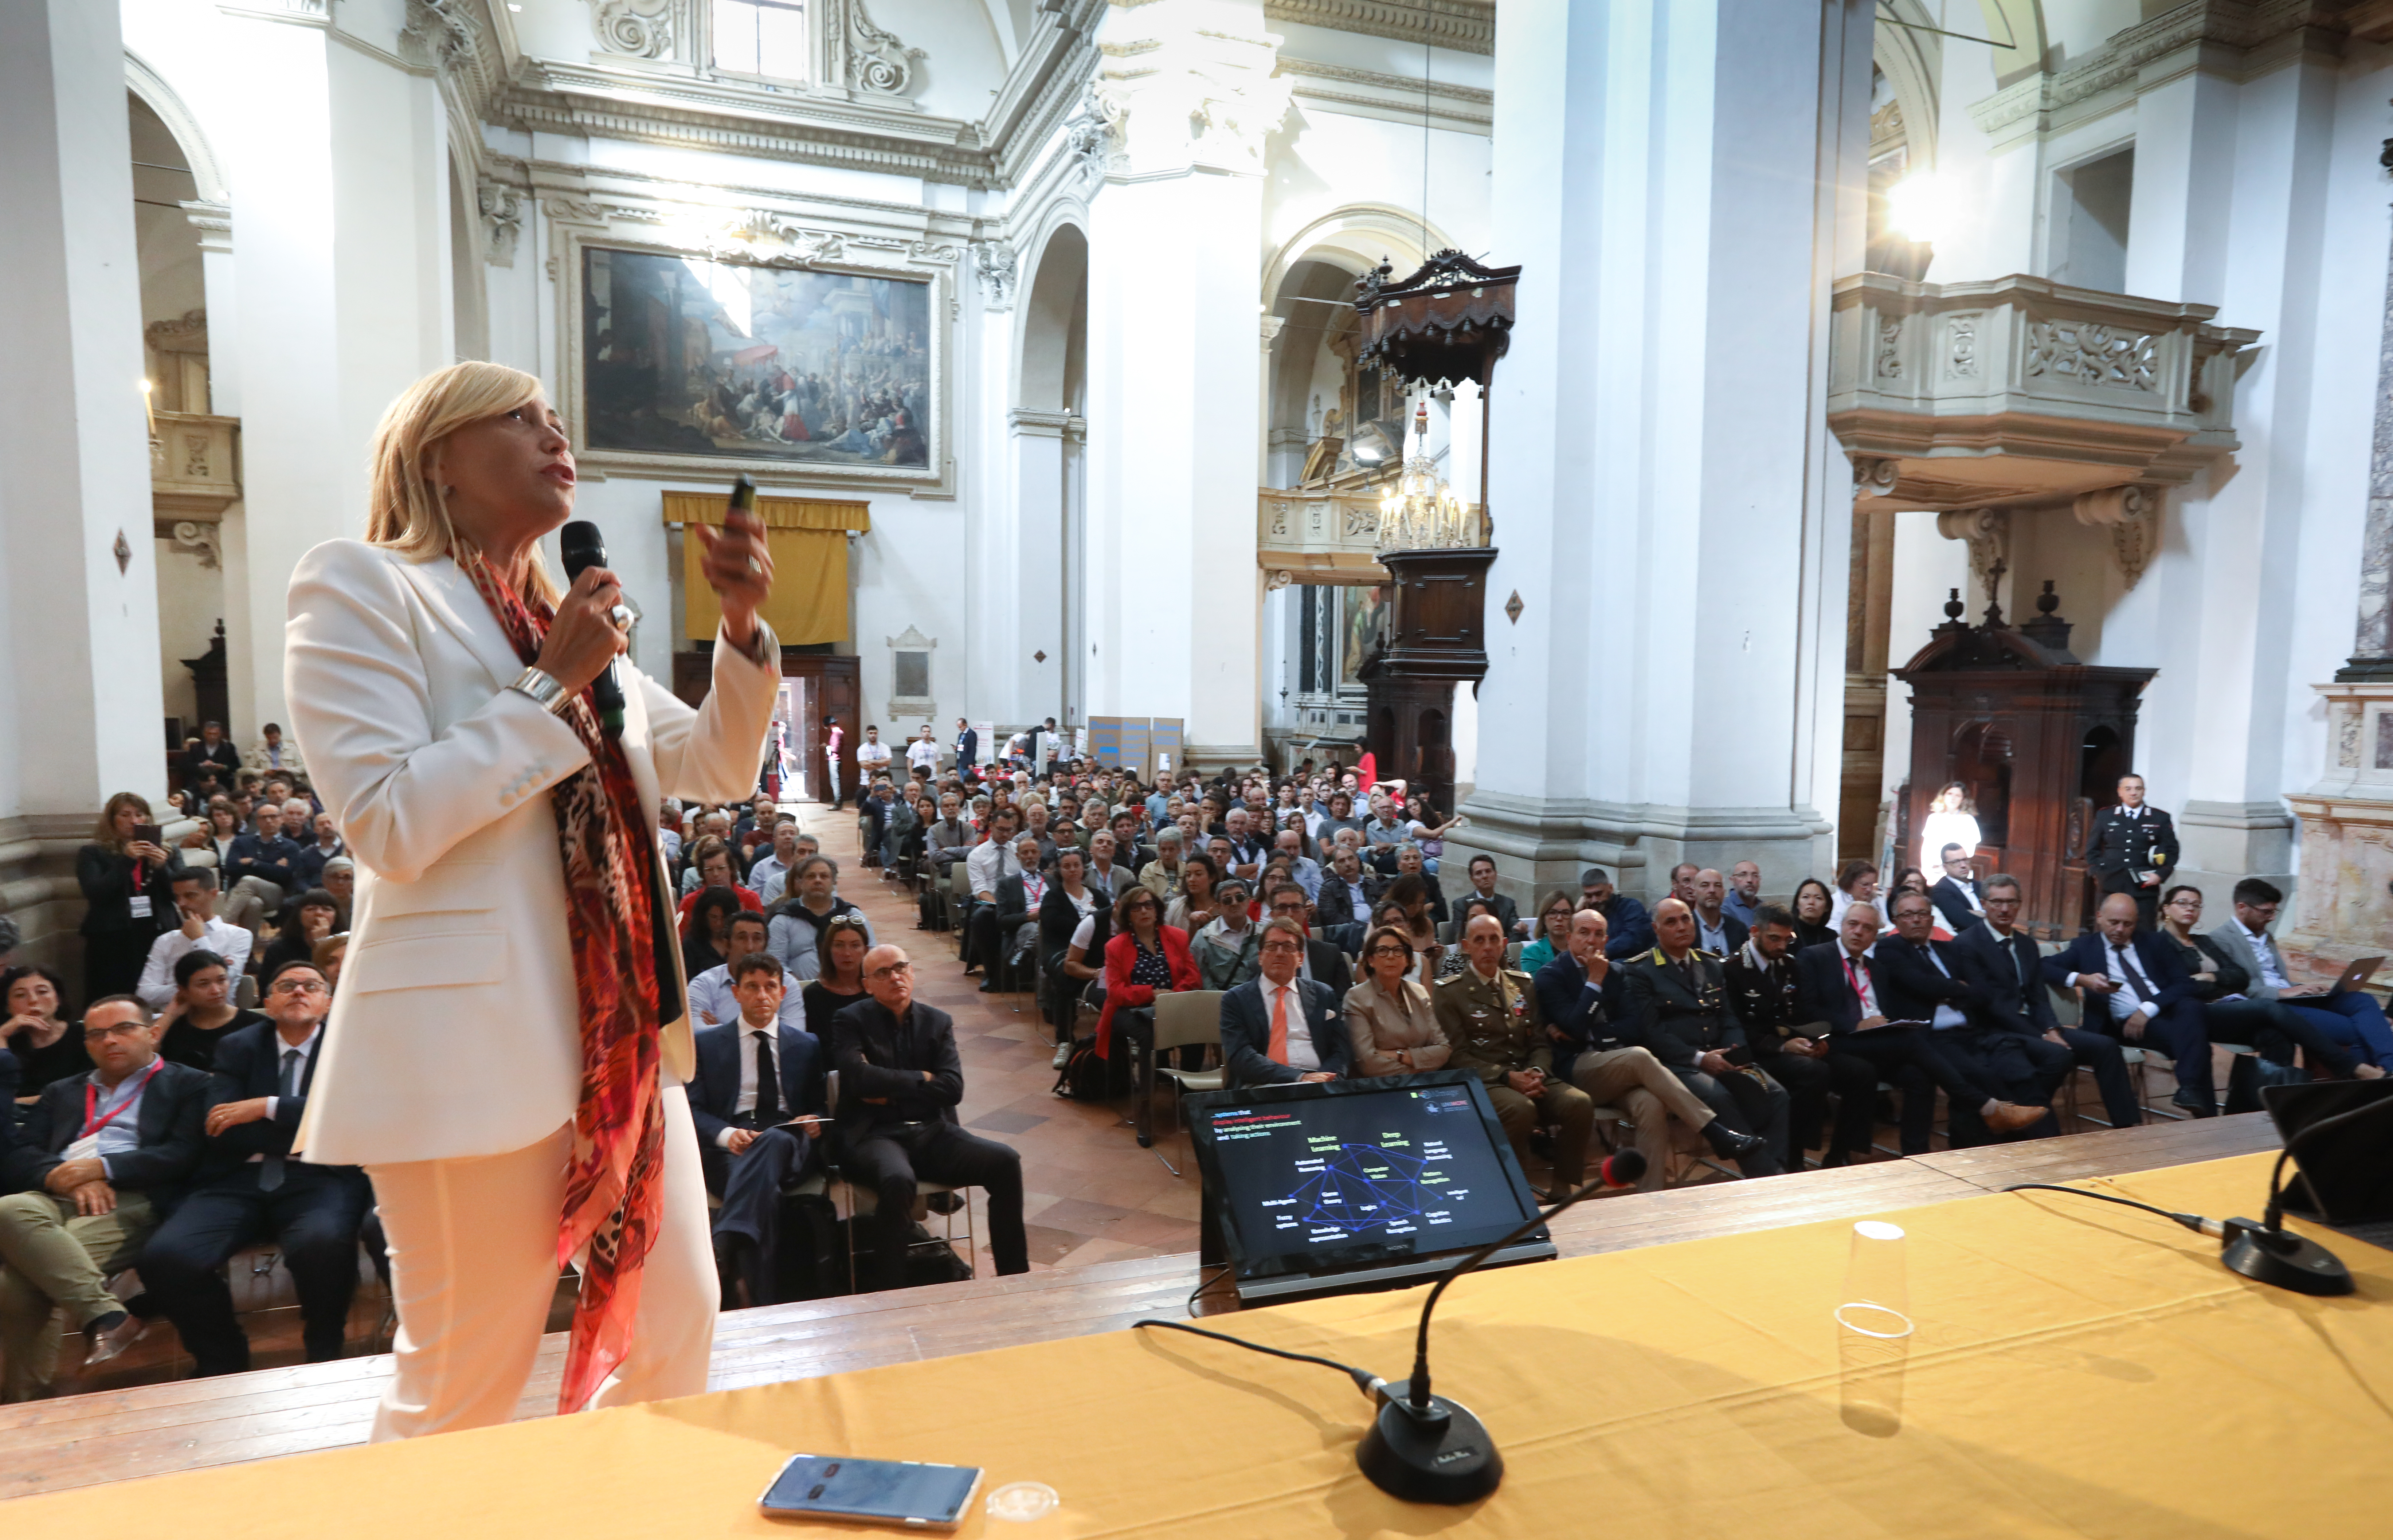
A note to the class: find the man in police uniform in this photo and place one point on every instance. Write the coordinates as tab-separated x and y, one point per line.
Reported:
1489	1014
1679	1007
1790	1048
2134	850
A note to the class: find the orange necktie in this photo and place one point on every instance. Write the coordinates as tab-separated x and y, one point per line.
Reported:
1279	1025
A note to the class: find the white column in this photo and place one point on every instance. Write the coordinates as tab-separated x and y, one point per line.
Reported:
1172	271
79	686
1680	183
1028	671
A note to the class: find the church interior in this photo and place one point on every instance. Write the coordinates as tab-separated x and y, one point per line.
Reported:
1680	441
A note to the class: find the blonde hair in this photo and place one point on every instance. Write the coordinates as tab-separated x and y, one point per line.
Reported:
405	510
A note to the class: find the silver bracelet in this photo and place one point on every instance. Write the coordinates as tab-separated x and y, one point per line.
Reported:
543	689
764	648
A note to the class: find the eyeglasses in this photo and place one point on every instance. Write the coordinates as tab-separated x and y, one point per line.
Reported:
122	1029
1390	951
895	971
1281	945
299	987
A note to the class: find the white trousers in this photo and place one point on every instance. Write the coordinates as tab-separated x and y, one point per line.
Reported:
473	1268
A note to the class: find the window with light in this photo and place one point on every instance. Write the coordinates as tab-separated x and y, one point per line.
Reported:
761	37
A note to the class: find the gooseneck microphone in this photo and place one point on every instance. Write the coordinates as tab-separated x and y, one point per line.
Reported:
1425	1448
583	547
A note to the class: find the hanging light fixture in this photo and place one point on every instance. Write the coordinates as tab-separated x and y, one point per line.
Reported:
1419	511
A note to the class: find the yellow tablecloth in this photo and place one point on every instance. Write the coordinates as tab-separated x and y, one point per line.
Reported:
2079	1369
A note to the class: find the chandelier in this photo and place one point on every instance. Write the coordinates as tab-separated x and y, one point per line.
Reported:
1419	511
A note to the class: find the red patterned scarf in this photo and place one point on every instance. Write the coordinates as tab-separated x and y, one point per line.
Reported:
614	1188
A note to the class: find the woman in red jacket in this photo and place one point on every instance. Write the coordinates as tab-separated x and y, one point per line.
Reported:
1145	955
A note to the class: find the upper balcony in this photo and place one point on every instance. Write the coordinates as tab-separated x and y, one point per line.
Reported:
2022	393
1318	535
194	465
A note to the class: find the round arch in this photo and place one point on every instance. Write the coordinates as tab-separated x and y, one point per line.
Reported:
1355	237
207	171
1051	335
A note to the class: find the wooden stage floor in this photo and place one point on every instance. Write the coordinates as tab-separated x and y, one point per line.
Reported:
116	1435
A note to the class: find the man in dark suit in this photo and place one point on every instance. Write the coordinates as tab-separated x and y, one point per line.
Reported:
757	1101
1927	980
212	758
1482	886
250	1189
2134	850
1347	889
1630	927
87	1180
1847	984
1324	963
1678	998
2011	971
1762	991
2138	991
1583	995
967	751
1717	931
1958	895
1278	1027
900	1079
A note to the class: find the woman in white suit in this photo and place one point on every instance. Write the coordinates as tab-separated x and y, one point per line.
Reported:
506	1053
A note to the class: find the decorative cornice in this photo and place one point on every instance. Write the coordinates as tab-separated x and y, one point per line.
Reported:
2237	39
1467	26
1394	97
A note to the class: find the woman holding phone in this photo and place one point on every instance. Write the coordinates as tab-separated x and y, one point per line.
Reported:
128	877
512	913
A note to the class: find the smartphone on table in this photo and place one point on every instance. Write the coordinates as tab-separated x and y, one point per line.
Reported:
903	1492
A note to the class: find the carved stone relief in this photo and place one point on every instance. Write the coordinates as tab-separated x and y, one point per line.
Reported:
2091	354
1961	361
1890	348
2133	516
1988	533
1873	476
878	60
644	29
502	209
196	538
999	268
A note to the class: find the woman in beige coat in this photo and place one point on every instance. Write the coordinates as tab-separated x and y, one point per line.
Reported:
1387	1015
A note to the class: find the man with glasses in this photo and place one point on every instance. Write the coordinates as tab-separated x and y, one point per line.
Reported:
1278	1029
899	1081
2010	969
98	1153
1322	963
251	1189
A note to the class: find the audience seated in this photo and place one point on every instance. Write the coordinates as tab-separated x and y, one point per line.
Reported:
1929	980
1012	933
1389	1018
2232	1015
1583	995
1103	866
1743	892
1678	1003
1324	963
714	995
770	875
1482	886
1228	949
757	1101
1717	931
1492	1021
1956	894
201	1012
2010	969
2137	991
900	1079
89	1178
1278	1026
314	917
993	860
1197	905
1624	918
707	930
262	869
1346	898
1144	957
1552	928
1849	986
2351	1019
796	923
249	1188
1812	905
42	1042
196	925
1762	992
709	866
1856	884
308	870
1075	922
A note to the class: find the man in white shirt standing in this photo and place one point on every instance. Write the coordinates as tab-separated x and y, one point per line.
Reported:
924	752
871	758
195	904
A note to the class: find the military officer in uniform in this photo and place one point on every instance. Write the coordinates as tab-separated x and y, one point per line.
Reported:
2134	850
1678	1002
1489	1014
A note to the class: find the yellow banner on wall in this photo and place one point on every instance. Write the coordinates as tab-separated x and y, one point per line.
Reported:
809	539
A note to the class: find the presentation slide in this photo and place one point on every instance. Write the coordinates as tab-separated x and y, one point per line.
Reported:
1413	1169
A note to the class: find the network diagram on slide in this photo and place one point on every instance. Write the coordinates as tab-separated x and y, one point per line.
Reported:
1347	1186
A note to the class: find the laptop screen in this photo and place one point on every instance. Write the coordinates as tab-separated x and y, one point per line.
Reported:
1317	1177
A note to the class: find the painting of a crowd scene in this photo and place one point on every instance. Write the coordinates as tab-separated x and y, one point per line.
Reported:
683	356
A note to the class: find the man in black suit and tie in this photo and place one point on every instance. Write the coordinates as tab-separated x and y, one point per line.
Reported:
967	751
757	1101
1678	998
2135	990
1278	1027
899	1081
250	1189
2134	850
1958	895
1848	984
98	1154
1324	963
1927	980
2010	969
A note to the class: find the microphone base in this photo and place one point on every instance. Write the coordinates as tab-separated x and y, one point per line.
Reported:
1440	1456
2283	1259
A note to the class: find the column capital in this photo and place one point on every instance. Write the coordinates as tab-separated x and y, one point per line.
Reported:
1187	86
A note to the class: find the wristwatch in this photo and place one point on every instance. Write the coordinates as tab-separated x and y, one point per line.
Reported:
542	688
764	648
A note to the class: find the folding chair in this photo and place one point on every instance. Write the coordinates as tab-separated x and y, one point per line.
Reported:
863	1201
1186	1020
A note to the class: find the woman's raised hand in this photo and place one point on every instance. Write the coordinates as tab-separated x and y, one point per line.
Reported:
584	637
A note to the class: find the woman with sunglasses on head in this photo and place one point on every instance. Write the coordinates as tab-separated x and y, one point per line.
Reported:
496	764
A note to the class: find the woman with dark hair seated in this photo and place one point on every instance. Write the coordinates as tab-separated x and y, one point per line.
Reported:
34	1029
196	1020
845	939
709	930
1812	905
316	916
1075	922
1146	958
1389	1016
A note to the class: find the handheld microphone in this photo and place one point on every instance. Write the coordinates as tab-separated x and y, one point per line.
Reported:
1424	1448
584	548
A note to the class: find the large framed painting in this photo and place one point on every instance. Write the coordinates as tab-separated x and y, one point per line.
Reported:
1366	612
687	361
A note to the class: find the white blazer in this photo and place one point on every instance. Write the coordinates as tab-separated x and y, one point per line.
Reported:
456	1030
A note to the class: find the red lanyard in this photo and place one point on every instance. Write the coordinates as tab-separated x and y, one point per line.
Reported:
91	1100
1853	978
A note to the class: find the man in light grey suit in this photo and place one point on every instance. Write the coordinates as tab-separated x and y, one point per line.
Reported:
2351	1018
